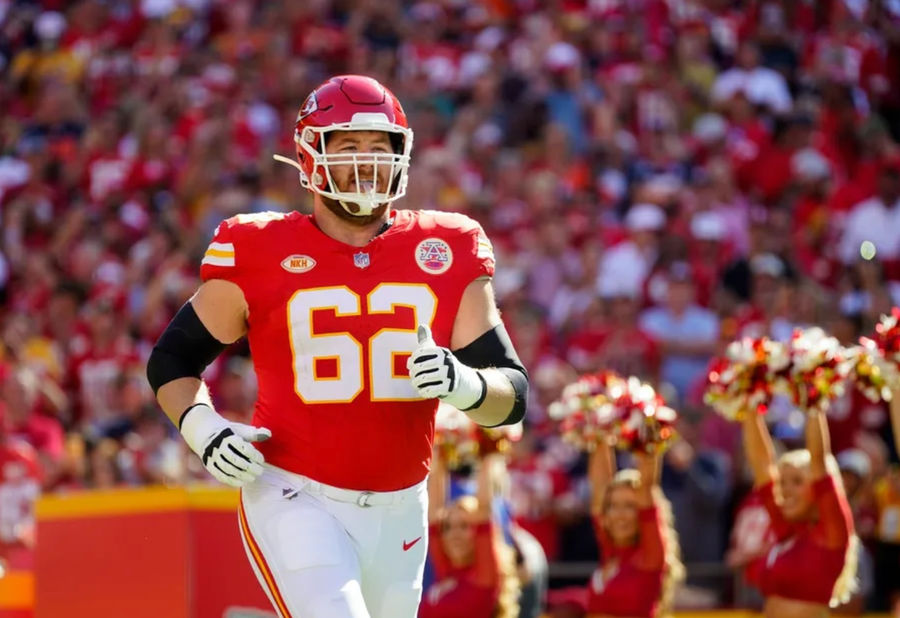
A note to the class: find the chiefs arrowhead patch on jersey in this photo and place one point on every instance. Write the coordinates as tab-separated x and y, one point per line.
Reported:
298	263
434	256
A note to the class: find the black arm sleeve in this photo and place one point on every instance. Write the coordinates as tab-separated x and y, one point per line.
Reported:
183	351
494	349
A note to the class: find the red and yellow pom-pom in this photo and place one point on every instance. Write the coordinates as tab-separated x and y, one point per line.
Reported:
643	422
746	378
604	406
817	371
867	371
884	346
584	410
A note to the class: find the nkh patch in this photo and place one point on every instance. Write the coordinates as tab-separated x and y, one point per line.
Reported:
298	263
434	256
361	260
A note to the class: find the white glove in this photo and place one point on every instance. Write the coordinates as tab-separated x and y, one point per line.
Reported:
435	372
223	446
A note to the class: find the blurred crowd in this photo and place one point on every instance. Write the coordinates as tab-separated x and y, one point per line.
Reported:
658	177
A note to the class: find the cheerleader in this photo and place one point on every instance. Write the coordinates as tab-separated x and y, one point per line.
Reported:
640	556
812	566
475	572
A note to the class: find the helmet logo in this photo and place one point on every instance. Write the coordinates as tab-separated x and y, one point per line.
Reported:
434	256
311	105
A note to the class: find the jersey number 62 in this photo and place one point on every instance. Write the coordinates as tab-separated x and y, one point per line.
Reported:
346	350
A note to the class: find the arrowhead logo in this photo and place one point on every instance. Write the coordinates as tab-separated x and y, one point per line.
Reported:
408	546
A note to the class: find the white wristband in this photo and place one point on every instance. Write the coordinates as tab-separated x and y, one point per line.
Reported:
470	389
199	424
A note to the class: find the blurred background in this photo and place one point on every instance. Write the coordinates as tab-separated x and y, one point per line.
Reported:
657	177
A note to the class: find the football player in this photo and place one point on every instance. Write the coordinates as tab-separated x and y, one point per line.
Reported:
360	318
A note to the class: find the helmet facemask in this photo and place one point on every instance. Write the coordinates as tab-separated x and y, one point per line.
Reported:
363	190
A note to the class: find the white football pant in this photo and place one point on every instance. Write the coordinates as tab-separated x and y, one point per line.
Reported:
324	552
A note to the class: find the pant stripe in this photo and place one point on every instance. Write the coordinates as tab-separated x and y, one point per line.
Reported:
261	563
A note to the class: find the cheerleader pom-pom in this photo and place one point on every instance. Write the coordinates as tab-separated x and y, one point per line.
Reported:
643	423
584	411
817	371
885	346
498	439
746	378
456	436
867	371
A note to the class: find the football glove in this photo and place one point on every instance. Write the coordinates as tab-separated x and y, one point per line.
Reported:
224	447
436	372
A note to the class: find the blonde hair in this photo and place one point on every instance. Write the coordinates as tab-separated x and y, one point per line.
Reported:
846	584
673	568
509	585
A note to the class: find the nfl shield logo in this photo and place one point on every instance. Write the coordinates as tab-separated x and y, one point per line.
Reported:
361	260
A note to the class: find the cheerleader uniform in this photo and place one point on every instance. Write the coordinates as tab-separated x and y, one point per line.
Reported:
808	557
470	592
631	583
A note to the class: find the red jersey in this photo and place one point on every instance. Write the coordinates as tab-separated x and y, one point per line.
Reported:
471	592
20	486
752	536
330	328
808	557
629	583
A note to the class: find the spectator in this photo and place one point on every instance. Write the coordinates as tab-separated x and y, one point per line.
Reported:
20	486
687	334
19	392
761	85
626	266
876	220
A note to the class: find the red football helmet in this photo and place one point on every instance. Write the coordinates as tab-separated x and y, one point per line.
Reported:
352	103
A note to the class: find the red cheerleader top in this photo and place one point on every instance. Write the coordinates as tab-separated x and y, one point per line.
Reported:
808	557
471	591
631	583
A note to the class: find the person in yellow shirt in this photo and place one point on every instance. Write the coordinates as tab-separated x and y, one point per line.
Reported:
48	60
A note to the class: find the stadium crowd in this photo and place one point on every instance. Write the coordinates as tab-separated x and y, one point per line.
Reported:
658	177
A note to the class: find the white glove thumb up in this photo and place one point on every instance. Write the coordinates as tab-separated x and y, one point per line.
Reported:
424	335
251	433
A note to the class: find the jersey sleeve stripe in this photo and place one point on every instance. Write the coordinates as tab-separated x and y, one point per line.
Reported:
222	246
212	260
219	253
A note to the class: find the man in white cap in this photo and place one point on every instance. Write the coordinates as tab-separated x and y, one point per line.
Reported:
630	261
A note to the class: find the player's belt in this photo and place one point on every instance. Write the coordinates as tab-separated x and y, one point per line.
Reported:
359	498
353	496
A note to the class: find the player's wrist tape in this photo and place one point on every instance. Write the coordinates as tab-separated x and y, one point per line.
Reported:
198	424
471	384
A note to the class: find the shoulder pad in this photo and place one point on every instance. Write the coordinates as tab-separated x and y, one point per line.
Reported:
447	220
256	219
